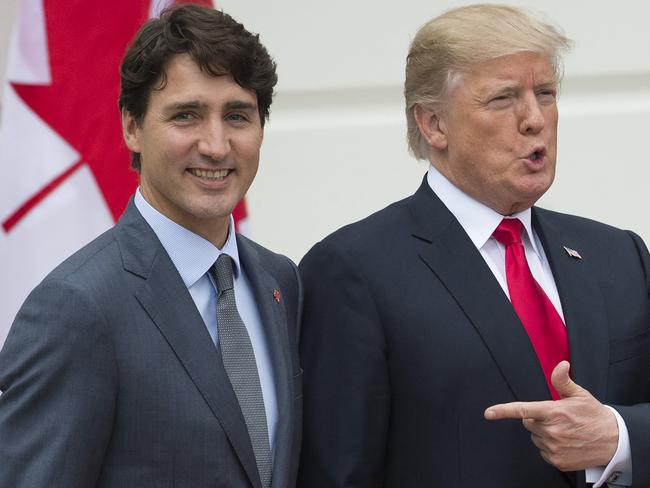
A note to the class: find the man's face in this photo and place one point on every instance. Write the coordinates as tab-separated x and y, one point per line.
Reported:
500	132
199	144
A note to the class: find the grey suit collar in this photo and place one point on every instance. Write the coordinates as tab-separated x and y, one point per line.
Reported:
191	254
446	249
274	318
165	298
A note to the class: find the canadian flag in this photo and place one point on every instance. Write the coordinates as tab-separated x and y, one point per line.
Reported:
65	169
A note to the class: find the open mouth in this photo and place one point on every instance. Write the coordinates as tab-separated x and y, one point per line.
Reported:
537	155
217	175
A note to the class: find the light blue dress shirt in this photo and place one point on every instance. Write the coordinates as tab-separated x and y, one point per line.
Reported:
193	256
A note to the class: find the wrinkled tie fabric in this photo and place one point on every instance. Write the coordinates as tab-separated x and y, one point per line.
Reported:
539	317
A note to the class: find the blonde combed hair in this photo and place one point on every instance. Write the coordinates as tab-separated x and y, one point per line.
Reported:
455	41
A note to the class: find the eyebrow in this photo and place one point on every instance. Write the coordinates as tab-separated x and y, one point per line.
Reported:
510	83
198	105
240	105
180	106
547	84
514	85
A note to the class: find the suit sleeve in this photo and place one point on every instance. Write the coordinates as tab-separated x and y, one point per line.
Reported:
637	417
57	375
346	382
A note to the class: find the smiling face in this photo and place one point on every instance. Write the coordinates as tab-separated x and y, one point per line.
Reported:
496	139
199	143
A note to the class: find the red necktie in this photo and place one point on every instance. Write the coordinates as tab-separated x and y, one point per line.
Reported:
543	324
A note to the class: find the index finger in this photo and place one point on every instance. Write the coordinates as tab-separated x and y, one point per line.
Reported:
518	410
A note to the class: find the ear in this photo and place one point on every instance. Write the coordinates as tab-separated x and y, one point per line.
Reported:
130	131
432	127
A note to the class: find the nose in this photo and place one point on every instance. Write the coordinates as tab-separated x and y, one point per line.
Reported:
531	116
214	141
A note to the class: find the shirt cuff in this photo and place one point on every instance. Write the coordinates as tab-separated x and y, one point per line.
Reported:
619	470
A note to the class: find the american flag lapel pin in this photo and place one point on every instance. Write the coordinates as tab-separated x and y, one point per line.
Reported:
572	252
277	295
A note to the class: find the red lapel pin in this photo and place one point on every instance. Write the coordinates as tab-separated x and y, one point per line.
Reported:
277	295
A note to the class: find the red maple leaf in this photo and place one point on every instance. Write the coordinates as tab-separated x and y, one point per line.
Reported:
86	42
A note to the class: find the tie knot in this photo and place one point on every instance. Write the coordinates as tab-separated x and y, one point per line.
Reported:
509	232
222	272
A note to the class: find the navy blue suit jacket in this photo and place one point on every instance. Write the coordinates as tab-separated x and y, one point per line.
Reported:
408	338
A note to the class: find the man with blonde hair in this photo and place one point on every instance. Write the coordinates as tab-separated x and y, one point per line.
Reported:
432	322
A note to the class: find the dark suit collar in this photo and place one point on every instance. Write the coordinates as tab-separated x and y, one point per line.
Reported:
430	216
166	300
446	249
477	219
582	302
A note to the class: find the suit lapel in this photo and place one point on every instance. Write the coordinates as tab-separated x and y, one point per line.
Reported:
169	305
582	305
274	320
446	249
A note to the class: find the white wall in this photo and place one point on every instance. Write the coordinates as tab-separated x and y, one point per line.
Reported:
335	148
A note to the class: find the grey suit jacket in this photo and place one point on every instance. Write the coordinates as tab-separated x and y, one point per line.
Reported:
110	378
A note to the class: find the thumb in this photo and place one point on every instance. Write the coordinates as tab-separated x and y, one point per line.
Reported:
562	381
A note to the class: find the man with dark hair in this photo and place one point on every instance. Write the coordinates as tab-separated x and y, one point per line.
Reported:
164	352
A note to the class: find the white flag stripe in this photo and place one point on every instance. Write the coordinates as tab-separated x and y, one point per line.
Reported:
66	219
28	61
158	6
31	154
244	227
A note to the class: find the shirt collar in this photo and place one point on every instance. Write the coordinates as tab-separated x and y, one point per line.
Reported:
478	220
191	254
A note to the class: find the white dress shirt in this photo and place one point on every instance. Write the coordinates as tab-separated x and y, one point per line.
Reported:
193	256
479	222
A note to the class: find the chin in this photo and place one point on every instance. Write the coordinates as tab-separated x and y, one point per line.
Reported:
214	207
533	190
215	213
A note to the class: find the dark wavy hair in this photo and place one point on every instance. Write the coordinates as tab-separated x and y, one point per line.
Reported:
214	40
